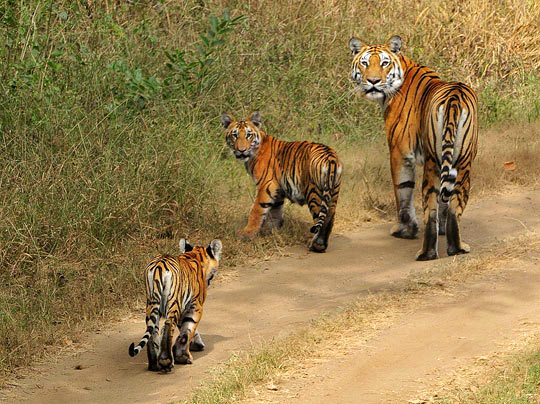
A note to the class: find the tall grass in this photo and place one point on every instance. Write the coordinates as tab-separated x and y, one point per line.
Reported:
110	138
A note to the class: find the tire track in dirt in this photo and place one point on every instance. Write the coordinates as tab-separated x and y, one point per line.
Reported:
266	300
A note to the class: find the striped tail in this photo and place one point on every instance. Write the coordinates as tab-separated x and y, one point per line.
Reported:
329	185
451	136
151	324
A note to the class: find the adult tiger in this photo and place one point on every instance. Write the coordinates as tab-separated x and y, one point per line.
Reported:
176	291
427	119
303	172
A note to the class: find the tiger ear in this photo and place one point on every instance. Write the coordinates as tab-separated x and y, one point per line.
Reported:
215	249
256	118
395	44
355	45
184	246
226	120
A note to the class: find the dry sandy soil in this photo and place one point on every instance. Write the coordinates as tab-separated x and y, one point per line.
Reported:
273	298
448	342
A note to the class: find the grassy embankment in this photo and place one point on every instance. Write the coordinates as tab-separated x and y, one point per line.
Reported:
112	147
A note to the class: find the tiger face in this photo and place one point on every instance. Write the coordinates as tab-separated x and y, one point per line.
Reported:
243	137
377	70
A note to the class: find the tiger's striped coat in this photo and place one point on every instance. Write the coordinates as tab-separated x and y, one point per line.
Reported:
427	120
303	172
176	288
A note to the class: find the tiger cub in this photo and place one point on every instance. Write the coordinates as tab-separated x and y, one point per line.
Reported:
302	172
176	290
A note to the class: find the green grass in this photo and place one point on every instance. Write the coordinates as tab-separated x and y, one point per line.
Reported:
518	385
516	382
111	142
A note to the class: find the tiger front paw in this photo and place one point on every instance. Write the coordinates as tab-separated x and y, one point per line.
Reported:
405	230
317	245
196	343
247	233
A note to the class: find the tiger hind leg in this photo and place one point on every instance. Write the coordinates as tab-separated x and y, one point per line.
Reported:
196	345
319	242
430	194
188	330
182	354
455	209
152	350
165	361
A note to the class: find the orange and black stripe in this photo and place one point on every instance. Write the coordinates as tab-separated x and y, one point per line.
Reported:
427	119
302	172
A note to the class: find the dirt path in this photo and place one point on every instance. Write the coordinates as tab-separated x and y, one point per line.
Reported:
419	354
274	297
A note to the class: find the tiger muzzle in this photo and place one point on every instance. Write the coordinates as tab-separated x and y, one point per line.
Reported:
241	155
372	89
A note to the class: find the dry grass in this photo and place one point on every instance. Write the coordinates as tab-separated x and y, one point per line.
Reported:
367	191
496	39
512	378
517	143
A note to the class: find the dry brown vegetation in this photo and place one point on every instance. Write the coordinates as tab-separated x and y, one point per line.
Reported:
111	146
367	192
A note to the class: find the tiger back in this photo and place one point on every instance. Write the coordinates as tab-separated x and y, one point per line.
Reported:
302	172
176	288
429	121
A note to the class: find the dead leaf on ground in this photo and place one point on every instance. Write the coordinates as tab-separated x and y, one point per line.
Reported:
509	166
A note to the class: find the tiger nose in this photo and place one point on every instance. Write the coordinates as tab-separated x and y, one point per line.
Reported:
241	149
373	80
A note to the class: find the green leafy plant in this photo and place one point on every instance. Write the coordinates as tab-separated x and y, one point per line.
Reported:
139	88
188	71
192	70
